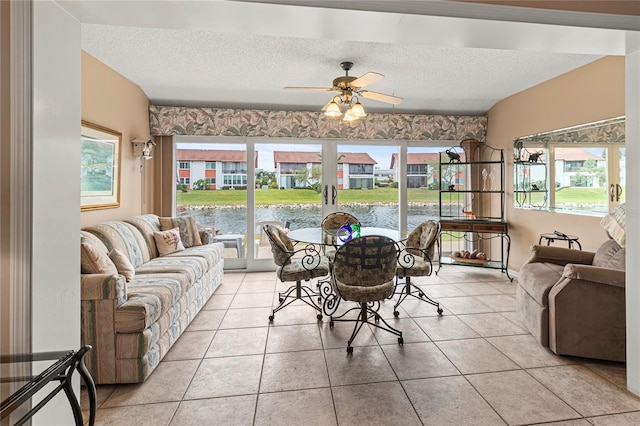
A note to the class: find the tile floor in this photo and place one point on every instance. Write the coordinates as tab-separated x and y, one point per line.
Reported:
474	365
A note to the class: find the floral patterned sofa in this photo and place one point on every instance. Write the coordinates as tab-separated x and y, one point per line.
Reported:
141	286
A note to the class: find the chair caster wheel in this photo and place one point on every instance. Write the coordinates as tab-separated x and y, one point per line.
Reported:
439	311
401	340
280	299
330	324
396	314
377	318
421	294
270	317
349	349
319	299
319	316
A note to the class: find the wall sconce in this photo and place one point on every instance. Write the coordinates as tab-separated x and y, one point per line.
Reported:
142	148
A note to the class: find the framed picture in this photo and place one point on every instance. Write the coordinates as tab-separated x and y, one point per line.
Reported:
100	167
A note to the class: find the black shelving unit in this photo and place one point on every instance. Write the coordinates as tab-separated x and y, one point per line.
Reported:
530	190
472	205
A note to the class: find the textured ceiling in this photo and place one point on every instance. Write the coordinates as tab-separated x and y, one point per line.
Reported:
242	54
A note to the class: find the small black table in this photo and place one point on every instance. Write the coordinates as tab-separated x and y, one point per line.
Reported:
551	237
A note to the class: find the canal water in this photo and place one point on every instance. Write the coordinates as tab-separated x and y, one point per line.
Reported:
232	220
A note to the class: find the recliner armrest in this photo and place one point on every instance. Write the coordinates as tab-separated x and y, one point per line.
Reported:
559	255
614	277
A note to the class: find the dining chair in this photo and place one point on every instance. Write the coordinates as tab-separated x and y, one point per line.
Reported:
415	259
363	271
332	222
295	265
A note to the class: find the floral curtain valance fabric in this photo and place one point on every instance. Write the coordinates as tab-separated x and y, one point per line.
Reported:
604	131
170	120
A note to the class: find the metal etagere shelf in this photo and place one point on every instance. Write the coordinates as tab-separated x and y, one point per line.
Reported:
472	201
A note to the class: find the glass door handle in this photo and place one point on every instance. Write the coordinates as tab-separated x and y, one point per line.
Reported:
334	195
325	195
618	191
612	193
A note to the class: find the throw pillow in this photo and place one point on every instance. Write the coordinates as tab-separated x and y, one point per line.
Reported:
95	261
614	223
123	264
168	241
188	229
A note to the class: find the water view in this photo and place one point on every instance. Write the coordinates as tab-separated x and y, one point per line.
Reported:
232	219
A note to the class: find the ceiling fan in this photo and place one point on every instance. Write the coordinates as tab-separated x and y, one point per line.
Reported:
350	88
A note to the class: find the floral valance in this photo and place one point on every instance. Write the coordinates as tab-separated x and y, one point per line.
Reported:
170	120
603	131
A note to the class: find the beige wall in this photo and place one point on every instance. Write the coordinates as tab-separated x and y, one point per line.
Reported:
112	101
590	93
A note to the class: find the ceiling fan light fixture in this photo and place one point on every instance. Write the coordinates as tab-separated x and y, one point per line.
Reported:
358	110
333	110
348	115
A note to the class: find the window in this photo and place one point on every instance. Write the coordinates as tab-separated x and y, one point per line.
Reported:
185	181
361	169
210	165
184	165
416	169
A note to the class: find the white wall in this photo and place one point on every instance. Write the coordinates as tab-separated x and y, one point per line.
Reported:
56	190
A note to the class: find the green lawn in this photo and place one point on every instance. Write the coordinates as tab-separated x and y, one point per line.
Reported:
582	196
300	196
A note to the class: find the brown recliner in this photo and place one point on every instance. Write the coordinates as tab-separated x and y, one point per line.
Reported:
574	301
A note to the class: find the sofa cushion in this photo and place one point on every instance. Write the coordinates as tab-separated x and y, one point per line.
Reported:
125	237
147	224
193	267
125	268
168	241
537	279
93	260
614	223
610	255
189	233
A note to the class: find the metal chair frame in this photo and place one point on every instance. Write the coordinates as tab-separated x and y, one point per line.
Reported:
356	254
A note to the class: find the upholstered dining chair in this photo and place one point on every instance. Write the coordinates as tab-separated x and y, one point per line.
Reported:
295	265
363	271
332	222
415	260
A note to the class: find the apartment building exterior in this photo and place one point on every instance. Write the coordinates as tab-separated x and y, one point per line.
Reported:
220	169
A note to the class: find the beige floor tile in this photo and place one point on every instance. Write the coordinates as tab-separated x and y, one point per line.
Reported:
525	351
442	290
474	289
259	276
246	318
449	401
226	377
241	341
432	279
514	318
491	324
137	415
230	277
615	372
191	345
520	399
587	392
338	335
252	300
168	382
207	320
258	286
367	364
625	419
505	287
310	407
294	370
499	302
576	422
475	356
464	305
411	332
232	410
294	338
228	288
445	327
219	301
374	404
418	360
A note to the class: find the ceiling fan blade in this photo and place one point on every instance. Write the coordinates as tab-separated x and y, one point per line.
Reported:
366	79
395	100
323	89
